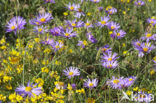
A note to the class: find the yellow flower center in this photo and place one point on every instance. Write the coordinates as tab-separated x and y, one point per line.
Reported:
116	81
71	73
73	24
13	27
67	34
85	43
104	49
110	65
95	0
71	8
148	35
118	34
154	58
57	46
37	23
87	24
28	89
152	22
103	22
145	49
40	29
90	84
109	59
138	44
112	27
130	79
42	20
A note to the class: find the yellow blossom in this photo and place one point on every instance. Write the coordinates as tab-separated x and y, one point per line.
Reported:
45	69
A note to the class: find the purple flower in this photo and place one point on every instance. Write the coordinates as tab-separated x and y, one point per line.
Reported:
69	33
136	44
91	37
29	90
139	3
104	21
40	29
149	36
48	42
106	49
146	47
110	64
152	21
15	24
73	86
41	19
95	1
113	25
75	24
91	83
100	9
111	10
88	24
119	34
129	81
49	1
71	72
83	44
57	45
57	31
72	7
109	57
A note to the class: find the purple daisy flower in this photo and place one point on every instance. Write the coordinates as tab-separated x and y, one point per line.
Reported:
129	81
15	24
75	24
104	21
149	36
57	45
139	3
151	21
41	19
88	24
106	49
111	10
95	1
119	34
69	33
57	31
49	1
29	90
109	57
83	44
40	29
72	7
91	83
91	37
71	72
113	25
110	64
48	42
146	47
136	44
100	9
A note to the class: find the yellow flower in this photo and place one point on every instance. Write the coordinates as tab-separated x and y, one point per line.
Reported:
37	40
129	92
69	87
124	12
47	50
90	100
3	47
45	70
85	43
45	62
19	98
2	41
152	72
12	97
14	60
89	14
2	98
40	82
9	87
149	0
70	51
135	89
65	14
7	78
57	62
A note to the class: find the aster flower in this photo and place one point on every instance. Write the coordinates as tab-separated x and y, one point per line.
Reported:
110	64
109	57
95	1
71	72
83	44
139	3
149	36
136	44
113	25
15	24
100	9
91	37
75	24
119	34
40	29
151	21
146	47
91	83
41	19
111	10
57	31
106	49
29	90
129	81
104	21
57	45
69	33
72	7
88	24
48	42
49	1
60	85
